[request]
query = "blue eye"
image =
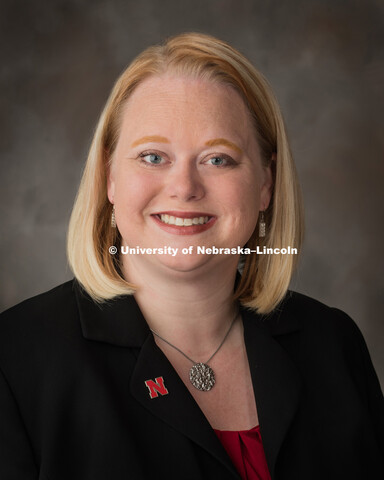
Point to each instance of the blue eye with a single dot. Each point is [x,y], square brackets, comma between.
[217,161]
[151,158]
[220,161]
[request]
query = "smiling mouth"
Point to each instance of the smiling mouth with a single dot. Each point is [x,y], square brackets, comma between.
[183,222]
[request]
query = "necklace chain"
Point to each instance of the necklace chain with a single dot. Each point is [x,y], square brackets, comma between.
[189,358]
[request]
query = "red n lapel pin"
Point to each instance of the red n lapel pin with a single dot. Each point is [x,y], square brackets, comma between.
[156,386]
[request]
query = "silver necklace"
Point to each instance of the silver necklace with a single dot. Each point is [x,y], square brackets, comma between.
[201,374]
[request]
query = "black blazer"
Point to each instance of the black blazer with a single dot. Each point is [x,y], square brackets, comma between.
[75,405]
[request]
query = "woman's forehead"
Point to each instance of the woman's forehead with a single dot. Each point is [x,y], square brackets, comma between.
[176,104]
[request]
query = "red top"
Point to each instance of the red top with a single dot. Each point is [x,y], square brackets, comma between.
[245,449]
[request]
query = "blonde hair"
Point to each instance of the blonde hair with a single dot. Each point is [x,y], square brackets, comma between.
[265,278]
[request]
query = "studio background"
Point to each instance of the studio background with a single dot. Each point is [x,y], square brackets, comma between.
[325,61]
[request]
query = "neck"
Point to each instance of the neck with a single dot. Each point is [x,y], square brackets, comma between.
[191,309]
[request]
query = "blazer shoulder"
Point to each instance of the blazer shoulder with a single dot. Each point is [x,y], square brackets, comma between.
[50,304]
[300,302]
[317,317]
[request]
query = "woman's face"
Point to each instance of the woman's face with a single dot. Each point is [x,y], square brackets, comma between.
[186,172]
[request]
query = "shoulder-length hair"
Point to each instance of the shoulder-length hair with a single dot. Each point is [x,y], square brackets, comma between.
[265,278]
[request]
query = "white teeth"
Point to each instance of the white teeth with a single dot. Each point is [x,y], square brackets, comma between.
[183,222]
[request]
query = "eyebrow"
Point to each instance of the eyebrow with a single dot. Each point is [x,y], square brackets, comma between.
[223,141]
[150,138]
[210,143]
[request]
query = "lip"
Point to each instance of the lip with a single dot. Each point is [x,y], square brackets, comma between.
[182,214]
[182,230]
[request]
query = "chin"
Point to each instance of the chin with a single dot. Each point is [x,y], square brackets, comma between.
[183,264]
[197,264]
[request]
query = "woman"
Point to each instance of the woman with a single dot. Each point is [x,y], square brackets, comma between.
[160,359]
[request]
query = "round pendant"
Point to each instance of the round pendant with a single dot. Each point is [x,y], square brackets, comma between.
[202,377]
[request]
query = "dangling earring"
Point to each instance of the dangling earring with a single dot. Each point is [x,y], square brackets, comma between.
[113,220]
[261,225]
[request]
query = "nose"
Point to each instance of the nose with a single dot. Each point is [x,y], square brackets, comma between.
[184,182]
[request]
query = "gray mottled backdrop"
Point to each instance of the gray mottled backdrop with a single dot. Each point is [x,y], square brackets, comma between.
[325,60]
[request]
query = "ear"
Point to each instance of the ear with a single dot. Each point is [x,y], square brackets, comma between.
[111,183]
[268,183]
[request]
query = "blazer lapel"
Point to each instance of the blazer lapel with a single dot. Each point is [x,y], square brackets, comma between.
[276,381]
[176,407]
[120,322]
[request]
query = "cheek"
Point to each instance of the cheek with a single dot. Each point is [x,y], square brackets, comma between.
[133,190]
[132,196]
[244,197]
[242,205]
